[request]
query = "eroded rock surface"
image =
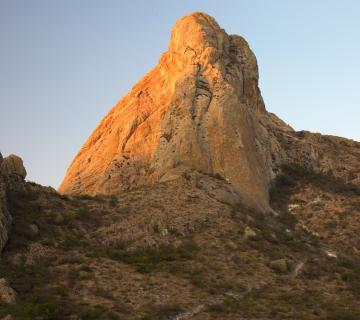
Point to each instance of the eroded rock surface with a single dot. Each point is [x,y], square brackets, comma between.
[7,294]
[12,175]
[199,109]
[195,111]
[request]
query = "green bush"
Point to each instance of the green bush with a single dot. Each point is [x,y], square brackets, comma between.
[70,243]
[151,259]
[344,315]
[293,176]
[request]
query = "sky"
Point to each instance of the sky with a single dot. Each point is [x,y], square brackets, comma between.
[64,64]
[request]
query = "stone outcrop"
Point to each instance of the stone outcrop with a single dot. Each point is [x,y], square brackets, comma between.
[12,175]
[13,165]
[7,294]
[5,218]
[199,109]
[195,111]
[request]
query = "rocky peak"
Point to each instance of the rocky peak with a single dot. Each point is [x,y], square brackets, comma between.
[193,111]
[198,43]
[13,165]
[197,39]
[194,131]
[200,109]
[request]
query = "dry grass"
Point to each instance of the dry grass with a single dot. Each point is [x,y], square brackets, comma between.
[129,260]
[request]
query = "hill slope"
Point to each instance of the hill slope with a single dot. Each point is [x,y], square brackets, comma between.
[180,250]
[189,201]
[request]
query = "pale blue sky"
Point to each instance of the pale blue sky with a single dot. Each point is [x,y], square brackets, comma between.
[63,64]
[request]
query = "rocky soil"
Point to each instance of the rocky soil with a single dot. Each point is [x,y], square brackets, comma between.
[184,249]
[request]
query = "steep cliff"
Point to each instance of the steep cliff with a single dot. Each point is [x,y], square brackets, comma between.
[196,110]
[199,109]
[12,175]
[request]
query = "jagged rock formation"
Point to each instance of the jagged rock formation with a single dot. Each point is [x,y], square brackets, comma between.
[199,109]
[195,110]
[12,175]
[13,165]
[187,248]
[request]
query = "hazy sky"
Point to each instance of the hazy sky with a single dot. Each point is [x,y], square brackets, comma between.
[63,64]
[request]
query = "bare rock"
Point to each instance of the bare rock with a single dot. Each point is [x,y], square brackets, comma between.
[280,265]
[5,217]
[12,175]
[201,109]
[197,108]
[32,231]
[7,294]
[298,269]
[13,165]
[249,233]
[59,218]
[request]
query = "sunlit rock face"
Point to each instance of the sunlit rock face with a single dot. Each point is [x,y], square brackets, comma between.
[199,109]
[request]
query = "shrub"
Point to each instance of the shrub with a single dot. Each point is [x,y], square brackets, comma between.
[344,315]
[97,312]
[34,309]
[151,259]
[292,175]
[162,312]
[70,243]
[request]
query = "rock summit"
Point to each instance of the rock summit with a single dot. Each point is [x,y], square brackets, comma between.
[200,109]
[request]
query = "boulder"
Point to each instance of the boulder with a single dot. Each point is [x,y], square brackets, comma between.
[13,165]
[249,233]
[7,294]
[279,265]
[12,175]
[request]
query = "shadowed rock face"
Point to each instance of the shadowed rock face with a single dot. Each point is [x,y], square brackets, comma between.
[199,109]
[12,175]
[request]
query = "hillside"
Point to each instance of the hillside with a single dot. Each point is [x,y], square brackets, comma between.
[179,251]
[190,200]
